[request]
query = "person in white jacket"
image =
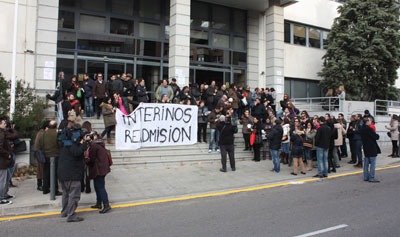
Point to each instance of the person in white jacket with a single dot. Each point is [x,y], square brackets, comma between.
[393,127]
[338,142]
[285,141]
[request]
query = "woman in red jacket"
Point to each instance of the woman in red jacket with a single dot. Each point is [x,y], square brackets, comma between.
[99,167]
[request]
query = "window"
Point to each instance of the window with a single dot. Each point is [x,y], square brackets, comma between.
[150,9]
[239,77]
[149,48]
[94,5]
[66,40]
[239,59]
[124,7]
[220,40]
[67,3]
[199,15]
[314,89]
[121,27]
[287,32]
[314,38]
[239,43]
[299,34]
[221,18]
[147,30]
[95,24]
[325,38]
[219,56]
[66,20]
[239,21]
[198,37]
[300,89]
[108,44]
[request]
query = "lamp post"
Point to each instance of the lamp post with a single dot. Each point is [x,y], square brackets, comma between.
[14,61]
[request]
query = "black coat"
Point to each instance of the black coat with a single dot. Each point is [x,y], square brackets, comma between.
[141,94]
[369,138]
[88,88]
[259,111]
[226,132]
[323,137]
[275,137]
[71,163]
[128,88]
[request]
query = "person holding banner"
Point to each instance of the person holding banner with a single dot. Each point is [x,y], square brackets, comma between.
[202,122]
[226,140]
[109,119]
[122,103]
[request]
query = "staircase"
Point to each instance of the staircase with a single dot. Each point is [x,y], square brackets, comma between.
[169,154]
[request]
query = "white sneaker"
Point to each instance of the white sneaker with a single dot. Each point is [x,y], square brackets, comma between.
[5,202]
[218,151]
[209,151]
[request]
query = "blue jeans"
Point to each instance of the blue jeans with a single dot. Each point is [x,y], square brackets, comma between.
[285,147]
[11,170]
[89,107]
[322,157]
[279,113]
[99,187]
[214,136]
[275,160]
[369,168]
[358,150]
[308,154]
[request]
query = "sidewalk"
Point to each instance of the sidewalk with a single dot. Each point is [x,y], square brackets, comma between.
[132,184]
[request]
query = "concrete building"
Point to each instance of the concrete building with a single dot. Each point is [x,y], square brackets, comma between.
[261,43]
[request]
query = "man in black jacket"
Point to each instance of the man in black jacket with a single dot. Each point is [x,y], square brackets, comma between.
[371,150]
[275,141]
[322,142]
[226,140]
[141,92]
[70,172]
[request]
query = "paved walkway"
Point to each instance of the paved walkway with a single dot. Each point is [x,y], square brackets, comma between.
[131,184]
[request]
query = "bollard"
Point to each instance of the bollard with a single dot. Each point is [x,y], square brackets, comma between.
[53,178]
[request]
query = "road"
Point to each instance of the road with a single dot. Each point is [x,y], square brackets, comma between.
[354,207]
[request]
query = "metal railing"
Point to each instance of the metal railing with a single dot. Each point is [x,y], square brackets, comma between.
[386,107]
[318,103]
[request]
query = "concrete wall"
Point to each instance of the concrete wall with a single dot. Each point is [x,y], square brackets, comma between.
[27,15]
[253,27]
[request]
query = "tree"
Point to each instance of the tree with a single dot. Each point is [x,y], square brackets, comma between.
[29,108]
[363,50]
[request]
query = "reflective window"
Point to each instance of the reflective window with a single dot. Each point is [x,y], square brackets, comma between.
[220,40]
[239,77]
[105,44]
[199,37]
[199,54]
[149,48]
[325,38]
[66,20]
[66,66]
[219,56]
[166,50]
[149,9]
[147,30]
[314,89]
[221,18]
[199,15]
[167,30]
[121,27]
[287,32]
[95,24]
[299,34]
[314,38]
[94,5]
[239,59]
[239,21]
[300,89]
[239,43]
[124,7]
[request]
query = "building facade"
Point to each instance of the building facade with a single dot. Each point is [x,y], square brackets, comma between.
[275,43]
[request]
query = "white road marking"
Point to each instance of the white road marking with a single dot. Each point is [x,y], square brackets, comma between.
[323,231]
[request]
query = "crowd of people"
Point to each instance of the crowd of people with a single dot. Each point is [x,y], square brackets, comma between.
[286,135]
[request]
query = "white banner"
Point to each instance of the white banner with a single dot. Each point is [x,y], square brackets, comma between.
[156,125]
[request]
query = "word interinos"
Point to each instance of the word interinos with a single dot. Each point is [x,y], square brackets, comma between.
[156,125]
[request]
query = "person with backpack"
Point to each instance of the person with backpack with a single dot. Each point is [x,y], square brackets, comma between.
[99,166]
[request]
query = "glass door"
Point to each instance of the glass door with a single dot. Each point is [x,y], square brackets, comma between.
[95,67]
[115,69]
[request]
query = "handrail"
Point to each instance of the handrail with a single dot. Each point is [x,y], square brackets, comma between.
[326,103]
[384,107]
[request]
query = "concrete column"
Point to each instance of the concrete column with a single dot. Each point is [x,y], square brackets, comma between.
[275,49]
[179,41]
[46,44]
[253,49]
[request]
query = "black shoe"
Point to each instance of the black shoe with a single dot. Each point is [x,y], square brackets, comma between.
[332,170]
[325,176]
[78,219]
[222,170]
[293,173]
[9,196]
[391,155]
[303,172]
[317,176]
[374,181]
[58,193]
[351,162]
[106,208]
[97,206]
[233,169]
[46,192]
[12,185]
[39,188]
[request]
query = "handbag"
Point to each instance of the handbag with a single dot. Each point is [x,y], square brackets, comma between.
[308,144]
[252,138]
[79,93]
[244,101]
[258,139]
[19,146]
[389,134]
[284,138]
[39,154]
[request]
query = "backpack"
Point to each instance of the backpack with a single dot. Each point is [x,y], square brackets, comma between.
[110,162]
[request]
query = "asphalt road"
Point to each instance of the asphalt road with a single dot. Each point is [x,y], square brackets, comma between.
[361,208]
